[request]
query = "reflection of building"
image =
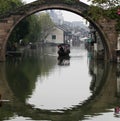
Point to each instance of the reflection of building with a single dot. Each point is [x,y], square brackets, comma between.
[97,71]
[118,79]
[58,35]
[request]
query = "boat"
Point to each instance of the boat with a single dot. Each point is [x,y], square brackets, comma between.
[63,50]
[14,53]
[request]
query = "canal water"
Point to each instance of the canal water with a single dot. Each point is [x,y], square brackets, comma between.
[40,86]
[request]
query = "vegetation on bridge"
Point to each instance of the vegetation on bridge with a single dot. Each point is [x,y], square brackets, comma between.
[107,9]
[7,5]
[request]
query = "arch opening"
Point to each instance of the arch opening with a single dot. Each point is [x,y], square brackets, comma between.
[78,13]
[81,9]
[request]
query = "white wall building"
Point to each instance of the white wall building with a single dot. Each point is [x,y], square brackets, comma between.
[56,36]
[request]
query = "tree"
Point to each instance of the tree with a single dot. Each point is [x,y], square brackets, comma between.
[46,25]
[20,31]
[106,9]
[34,29]
[105,3]
[7,5]
[40,25]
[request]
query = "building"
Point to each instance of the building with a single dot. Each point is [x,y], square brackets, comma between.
[58,35]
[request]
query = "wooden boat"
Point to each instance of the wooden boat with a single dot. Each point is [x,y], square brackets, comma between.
[63,49]
[14,53]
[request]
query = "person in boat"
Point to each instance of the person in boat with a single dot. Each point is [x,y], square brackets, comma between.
[67,49]
[64,50]
[61,49]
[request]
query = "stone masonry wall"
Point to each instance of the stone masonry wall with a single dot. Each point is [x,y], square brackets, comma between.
[108,27]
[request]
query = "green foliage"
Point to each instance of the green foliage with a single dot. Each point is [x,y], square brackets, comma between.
[105,3]
[7,5]
[46,25]
[95,12]
[39,27]
[112,13]
[34,29]
[20,31]
[118,26]
[106,9]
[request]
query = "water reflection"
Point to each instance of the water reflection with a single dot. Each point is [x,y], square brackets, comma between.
[118,79]
[117,109]
[64,61]
[62,89]
[89,90]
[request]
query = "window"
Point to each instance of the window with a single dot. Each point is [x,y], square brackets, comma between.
[53,36]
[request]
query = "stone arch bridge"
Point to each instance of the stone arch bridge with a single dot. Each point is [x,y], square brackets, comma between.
[106,28]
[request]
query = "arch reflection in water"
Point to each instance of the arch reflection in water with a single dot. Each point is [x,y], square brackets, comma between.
[118,79]
[14,76]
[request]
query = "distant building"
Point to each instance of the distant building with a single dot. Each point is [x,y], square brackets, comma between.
[58,35]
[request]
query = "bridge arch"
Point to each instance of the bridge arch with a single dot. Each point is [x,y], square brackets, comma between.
[9,21]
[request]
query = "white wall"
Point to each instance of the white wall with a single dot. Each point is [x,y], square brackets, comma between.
[59,36]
